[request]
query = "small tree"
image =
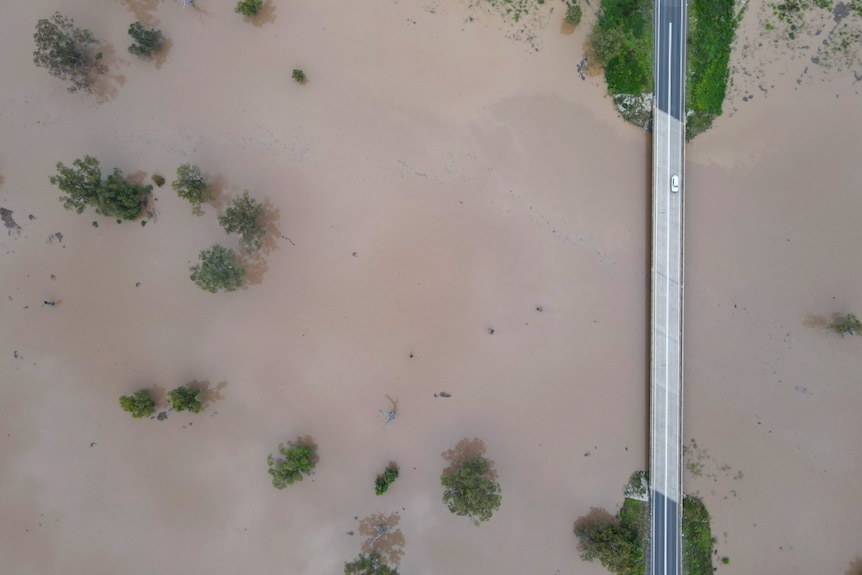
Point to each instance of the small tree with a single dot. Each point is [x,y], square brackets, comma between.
[242,218]
[81,182]
[387,478]
[573,15]
[219,270]
[114,197]
[119,198]
[297,458]
[139,404]
[190,185]
[299,76]
[248,7]
[146,42]
[470,488]
[184,399]
[616,547]
[370,564]
[62,49]
[847,324]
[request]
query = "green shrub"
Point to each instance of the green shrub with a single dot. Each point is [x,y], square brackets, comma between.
[158,180]
[248,7]
[242,217]
[146,42]
[847,324]
[185,399]
[387,478]
[470,489]
[190,185]
[298,458]
[219,269]
[299,76]
[139,404]
[573,15]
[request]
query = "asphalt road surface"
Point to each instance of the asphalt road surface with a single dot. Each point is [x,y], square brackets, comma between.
[667,289]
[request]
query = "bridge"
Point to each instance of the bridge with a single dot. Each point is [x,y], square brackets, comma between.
[668,178]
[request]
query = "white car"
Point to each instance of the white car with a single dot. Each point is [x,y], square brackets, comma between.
[674,183]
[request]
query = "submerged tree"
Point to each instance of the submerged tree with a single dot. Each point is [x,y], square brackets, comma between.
[186,399]
[219,270]
[190,185]
[83,184]
[616,547]
[298,458]
[243,218]
[847,324]
[573,14]
[370,564]
[470,486]
[62,49]
[146,41]
[248,7]
[139,404]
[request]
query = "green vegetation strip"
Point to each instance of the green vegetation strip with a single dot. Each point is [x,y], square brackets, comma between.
[711,28]
[697,538]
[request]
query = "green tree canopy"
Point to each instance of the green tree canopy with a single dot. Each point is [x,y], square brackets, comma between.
[248,7]
[616,547]
[186,399]
[573,14]
[83,185]
[297,458]
[190,185]
[146,41]
[243,218]
[470,490]
[370,564]
[139,404]
[61,48]
[847,324]
[219,270]
[387,478]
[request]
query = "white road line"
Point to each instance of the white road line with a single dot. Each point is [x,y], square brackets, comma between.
[667,284]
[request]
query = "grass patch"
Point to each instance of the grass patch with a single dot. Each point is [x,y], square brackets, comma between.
[711,28]
[697,540]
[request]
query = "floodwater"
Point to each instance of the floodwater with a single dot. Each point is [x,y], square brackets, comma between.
[436,179]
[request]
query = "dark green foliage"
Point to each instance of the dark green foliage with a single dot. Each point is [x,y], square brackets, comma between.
[370,564]
[190,185]
[117,197]
[61,48]
[242,217]
[219,270]
[625,76]
[248,7]
[139,404]
[708,57]
[622,43]
[847,324]
[158,180]
[470,489]
[616,547]
[84,187]
[81,182]
[856,6]
[697,538]
[725,560]
[299,76]
[382,483]
[297,458]
[573,15]
[146,42]
[185,399]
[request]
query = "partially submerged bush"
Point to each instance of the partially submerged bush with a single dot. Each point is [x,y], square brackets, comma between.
[139,404]
[298,458]
[186,399]
[387,478]
[248,7]
[146,42]
[62,49]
